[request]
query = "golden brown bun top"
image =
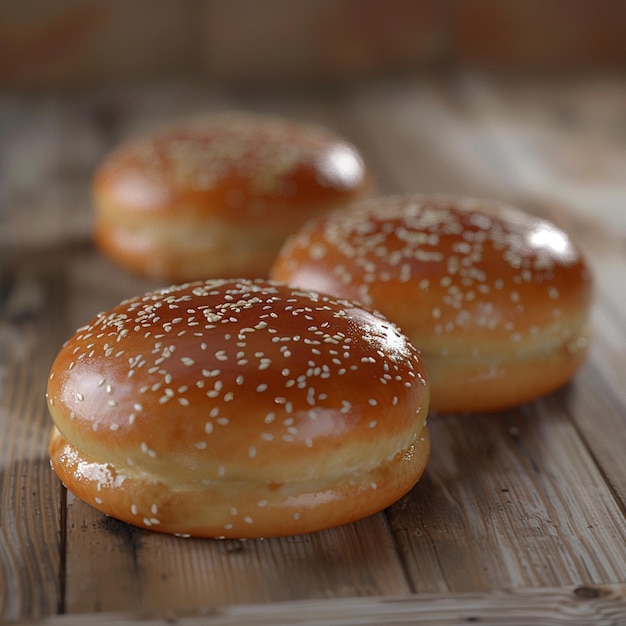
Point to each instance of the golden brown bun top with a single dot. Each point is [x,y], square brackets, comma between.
[242,380]
[456,274]
[233,165]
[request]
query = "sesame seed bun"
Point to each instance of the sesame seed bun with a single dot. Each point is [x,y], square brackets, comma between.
[238,409]
[497,301]
[216,196]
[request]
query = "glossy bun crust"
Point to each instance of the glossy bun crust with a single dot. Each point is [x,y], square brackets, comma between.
[217,196]
[497,301]
[238,409]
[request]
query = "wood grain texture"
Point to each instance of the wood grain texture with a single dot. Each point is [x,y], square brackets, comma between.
[513,500]
[520,517]
[112,566]
[30,549]
[603,605]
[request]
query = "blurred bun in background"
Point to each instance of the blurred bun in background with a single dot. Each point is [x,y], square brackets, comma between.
[216,196]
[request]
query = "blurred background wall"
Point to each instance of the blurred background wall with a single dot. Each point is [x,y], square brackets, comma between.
[78,43]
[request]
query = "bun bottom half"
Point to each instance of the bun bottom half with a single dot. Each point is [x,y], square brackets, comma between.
[469,384]
[182,249]
[237,509]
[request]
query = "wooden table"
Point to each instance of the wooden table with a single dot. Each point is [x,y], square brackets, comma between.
[520,517]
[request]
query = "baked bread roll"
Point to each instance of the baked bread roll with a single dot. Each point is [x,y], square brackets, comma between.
[497,301]
[216,196]
[238,409]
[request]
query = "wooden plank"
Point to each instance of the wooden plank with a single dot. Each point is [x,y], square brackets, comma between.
[30,560]
[420,141]
[115,567]
[510,500]
[603,605]
[596,404]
